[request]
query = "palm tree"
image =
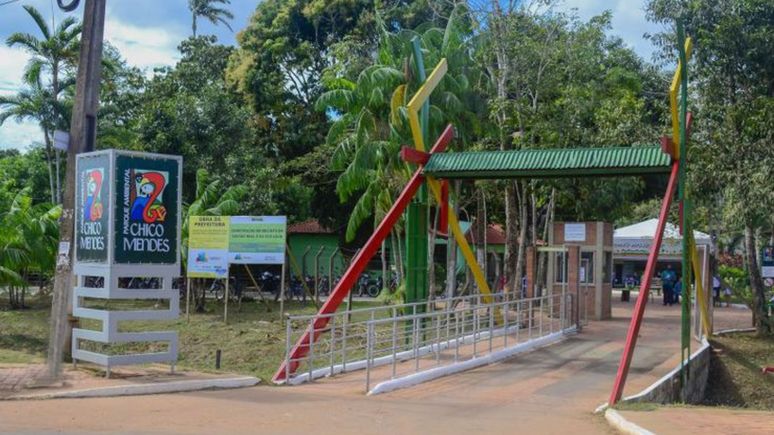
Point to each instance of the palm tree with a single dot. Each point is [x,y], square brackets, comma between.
[28,241]
[37,103]
[211,200]
[52,54]
[373,124]
[208,9]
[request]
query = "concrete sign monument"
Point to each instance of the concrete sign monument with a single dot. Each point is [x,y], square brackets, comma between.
[127,225]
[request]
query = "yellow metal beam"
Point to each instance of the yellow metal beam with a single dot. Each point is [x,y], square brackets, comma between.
[459,236]
[416,131]
[419,99]
[673,89]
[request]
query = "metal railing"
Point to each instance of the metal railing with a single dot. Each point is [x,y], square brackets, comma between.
[416,343]
[342,345]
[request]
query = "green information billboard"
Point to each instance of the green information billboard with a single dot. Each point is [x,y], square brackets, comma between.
[147,213]
[92,202]
[257,240]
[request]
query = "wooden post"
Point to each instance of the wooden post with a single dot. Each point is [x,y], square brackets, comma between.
[282,293]
[83,131]
[260,288]
[225,299]
[317,276]
[187,299]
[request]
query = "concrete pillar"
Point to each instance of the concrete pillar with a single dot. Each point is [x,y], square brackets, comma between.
[531,271]
[573,280]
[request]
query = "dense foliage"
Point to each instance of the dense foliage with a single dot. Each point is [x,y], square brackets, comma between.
[305,116]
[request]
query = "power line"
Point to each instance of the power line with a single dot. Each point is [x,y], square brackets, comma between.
[8,2]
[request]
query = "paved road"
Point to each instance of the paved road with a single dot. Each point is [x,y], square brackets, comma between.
[549,391]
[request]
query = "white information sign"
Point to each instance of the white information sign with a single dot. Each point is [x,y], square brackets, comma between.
[574,232]
[257,240]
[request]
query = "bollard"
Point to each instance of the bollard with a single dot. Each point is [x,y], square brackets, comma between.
[217,359]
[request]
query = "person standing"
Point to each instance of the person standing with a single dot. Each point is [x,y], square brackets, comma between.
[668,279]
[727,296]
[677,292]
[716,291]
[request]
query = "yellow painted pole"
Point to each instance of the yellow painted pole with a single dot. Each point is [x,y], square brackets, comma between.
[459,236]
[673,98]
[419,99]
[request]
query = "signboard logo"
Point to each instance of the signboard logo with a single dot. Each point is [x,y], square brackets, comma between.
[146,197]
[147,210]
[92,209]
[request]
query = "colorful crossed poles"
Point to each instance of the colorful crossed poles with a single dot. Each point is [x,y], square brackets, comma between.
[419,156]
[677,148]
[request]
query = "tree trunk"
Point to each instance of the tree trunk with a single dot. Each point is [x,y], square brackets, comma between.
[763,323]
[430,254]
[481,232]
[511,236]
[400,269]
[543,256]
[58,180]
[385,279]
[522,242]
[50,161]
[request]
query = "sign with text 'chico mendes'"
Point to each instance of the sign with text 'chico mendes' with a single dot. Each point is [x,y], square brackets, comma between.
[128,208]
[92,199]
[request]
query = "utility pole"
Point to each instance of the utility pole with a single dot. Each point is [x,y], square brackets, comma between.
[83,134]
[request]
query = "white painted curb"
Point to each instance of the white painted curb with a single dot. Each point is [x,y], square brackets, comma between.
[734,331]
[622,425]
[429,375]
[145,389]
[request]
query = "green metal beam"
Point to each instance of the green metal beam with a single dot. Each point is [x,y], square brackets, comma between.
[548,163]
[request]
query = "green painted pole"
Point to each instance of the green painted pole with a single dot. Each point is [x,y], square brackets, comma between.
[686,215]
[417,215]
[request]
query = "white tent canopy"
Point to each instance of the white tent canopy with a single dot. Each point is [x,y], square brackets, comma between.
[637,239]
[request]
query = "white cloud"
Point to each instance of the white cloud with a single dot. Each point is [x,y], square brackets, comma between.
[144,47]
[629,20]
[13,134]
[20,136]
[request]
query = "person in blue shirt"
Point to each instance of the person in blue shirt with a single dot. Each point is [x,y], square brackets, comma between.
[677,292]
[668,279]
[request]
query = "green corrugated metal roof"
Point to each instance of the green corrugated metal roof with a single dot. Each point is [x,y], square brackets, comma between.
[567,162]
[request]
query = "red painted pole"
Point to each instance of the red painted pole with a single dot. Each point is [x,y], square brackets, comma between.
[642,300]
[359,264]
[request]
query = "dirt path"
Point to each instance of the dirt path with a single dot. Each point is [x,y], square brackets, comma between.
[547,391]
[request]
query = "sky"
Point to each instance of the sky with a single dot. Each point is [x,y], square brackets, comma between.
[147,33]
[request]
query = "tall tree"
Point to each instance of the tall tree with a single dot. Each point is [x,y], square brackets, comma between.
[37,103]
[371,123]
[211,10]
[51,55]
[732,145]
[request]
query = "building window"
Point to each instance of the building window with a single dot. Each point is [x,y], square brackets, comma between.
[587,268]
[561,267]
[608,269]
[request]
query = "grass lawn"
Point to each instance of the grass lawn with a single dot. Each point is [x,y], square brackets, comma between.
[735,372]
[252,343]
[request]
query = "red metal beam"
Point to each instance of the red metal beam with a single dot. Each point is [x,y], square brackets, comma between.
[642,299]
[359,264]
[411,155]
